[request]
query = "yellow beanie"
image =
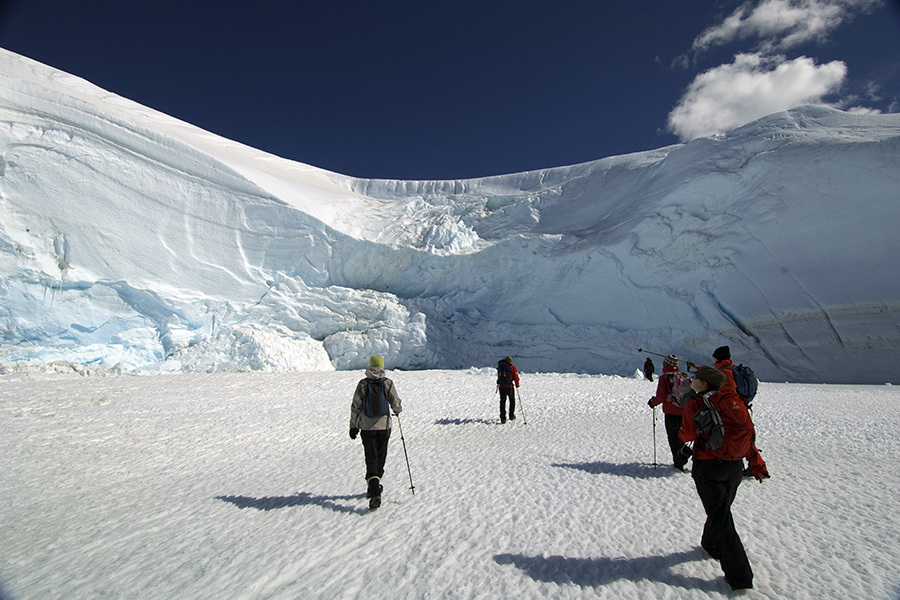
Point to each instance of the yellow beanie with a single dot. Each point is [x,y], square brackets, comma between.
[376,361]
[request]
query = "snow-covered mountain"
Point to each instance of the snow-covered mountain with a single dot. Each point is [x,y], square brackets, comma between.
[130,238]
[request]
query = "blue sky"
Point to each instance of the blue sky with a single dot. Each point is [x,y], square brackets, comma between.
[452,89]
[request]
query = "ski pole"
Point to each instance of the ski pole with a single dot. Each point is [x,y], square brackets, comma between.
[653,353]
[399,426]
[654,437]
[663,355]
[521,407]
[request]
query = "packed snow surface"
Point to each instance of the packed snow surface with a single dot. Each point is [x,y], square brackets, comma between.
[134,241]
[246,486]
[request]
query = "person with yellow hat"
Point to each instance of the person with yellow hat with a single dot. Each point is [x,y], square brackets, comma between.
[370,418]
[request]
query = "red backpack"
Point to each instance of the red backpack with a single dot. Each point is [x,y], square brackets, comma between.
[725,418]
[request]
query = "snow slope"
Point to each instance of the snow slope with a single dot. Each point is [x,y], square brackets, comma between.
[246,486]
[133,241]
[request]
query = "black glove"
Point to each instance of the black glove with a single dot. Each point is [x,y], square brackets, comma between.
[682,456]
[353,432]
[650,402]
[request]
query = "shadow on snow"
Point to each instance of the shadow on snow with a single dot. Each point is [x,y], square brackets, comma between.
[298,499]
[638,470]
[464,421]
[591,572]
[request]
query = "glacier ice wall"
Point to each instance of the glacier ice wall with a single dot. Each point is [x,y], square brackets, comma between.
[129,238]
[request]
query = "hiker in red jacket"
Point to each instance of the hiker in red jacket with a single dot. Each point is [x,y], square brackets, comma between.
[717,468]
[722,356]
[672,407]
[507,377]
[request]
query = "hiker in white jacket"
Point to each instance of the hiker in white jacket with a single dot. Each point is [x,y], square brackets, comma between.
[370,417]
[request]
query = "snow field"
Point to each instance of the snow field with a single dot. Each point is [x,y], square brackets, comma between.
[247,486]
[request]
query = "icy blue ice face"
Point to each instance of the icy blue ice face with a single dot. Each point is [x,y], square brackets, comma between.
[127,237]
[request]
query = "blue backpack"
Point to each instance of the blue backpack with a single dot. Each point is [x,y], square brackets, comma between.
[375,402]
[746,382]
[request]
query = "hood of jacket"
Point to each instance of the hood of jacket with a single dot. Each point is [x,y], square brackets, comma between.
[374,372]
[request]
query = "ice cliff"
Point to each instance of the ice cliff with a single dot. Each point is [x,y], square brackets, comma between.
[129,238]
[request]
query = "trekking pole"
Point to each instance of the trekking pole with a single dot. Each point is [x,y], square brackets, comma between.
[654,437]
[399,426]
[521,407]
[663,355]
[649,352]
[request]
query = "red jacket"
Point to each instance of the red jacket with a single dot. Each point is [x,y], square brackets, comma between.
[513,377]
[689,431]
[663,389]
[729,385]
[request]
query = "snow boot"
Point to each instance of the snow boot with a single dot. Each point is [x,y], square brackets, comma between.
[374,488]
[374,493]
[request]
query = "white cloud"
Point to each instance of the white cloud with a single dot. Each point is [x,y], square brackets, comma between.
[751,87]
[781,24]
[863,110]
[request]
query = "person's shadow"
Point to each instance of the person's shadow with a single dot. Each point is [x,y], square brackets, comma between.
[299,499]
[636,470]
[593,572]
[464,422]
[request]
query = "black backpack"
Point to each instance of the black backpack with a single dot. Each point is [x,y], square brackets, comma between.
[375,402]
[504,373]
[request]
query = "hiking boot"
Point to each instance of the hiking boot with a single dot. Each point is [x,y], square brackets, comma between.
[374,502]
[735,587]
[502,420]
[512,417]
[374,489]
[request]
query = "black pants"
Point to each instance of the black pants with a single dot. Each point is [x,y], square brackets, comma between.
[375,444]
[717,482]
[673,426]
[504,394]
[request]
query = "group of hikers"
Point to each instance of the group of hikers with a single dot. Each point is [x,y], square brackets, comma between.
[707,420]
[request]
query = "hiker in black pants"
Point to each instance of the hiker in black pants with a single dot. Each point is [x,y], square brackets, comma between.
[648,369]
[717,468]
[507,378]
[374,424]
[670,387]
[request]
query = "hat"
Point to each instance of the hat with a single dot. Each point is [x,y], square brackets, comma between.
[376,361]
[722,353]
[670,361]
[714,377]
[509,358]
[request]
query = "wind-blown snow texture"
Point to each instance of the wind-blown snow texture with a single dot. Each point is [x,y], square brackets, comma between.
[246,486]
[131,240]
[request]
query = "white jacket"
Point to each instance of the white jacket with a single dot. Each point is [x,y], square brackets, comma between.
[358,418]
